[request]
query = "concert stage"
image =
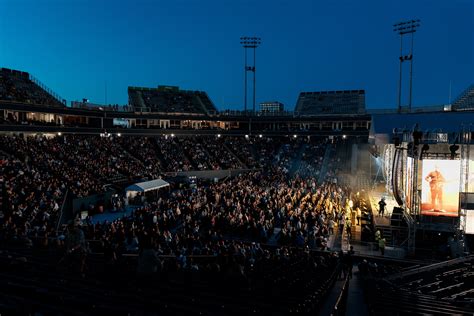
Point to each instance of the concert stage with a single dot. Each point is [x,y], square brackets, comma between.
[375,196]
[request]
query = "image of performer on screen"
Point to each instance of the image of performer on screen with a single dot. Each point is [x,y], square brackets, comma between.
[436,181]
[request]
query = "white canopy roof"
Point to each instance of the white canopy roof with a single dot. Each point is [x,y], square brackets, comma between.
[147,185]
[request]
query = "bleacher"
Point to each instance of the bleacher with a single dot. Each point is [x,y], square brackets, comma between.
[209,106]
[171,100]
[331,102]
[465,101]
[18,86]
[29,284]
[440,289]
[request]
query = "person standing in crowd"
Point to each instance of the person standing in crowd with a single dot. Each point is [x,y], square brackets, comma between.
[331,226]
[349,229]
[342,260]
[382,205]
[358,215]
[378,236]
[350,261]
[76,247]
[382,246]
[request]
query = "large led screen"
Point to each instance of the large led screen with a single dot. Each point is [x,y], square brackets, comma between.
[470,222]
[471,176]
[440,187]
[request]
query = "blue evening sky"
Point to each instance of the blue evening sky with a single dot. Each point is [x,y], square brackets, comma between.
[77,47]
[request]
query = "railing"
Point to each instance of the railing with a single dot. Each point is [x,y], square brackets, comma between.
[62,210]
[341,303]
[430,267]
[463,94]
[418,109]
[48,90]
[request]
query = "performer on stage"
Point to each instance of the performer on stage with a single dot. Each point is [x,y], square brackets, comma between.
[436,181]
[382,205]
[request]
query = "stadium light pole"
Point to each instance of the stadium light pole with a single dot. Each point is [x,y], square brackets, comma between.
[250,42]
[403,28]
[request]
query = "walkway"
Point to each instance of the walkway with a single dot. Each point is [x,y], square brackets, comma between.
[109,216]
[355,299]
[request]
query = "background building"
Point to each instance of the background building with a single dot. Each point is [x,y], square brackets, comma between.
[271,107]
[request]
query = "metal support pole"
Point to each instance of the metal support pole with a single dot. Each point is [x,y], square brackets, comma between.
[411,70]
[245,84]
[250,42]
[404,28]
[400,77]
[254,77]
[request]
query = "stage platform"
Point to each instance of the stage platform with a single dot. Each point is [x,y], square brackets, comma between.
[375,196]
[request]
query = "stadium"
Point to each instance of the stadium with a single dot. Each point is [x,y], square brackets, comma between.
[169,204]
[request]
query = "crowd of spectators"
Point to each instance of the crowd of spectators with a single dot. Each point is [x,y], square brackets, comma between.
[17,86]
[312,159]
[41,169]
[199,157]
[171,154]
[247,225]
[223,158]
[142,148]
[248,207]
[242,148]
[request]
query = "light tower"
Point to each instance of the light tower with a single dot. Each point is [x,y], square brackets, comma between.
[404,28]
[250,42]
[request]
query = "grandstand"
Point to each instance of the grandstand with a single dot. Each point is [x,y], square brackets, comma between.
[465,101]
[170,99]
[440,289]
[19,86]
[331,102]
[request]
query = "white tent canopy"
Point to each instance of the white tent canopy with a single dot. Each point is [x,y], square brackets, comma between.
[146,186]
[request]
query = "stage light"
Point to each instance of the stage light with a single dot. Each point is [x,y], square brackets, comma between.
[294,136]
[246,136]
[453,148]
[252,43]
[404,28]
[424,149]
[344,136]
[118,134]
[218,135]
[59,134]
[172,135]
[417,136]
[396,141]
[260,135]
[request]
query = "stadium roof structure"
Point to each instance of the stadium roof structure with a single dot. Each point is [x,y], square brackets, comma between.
[384,125]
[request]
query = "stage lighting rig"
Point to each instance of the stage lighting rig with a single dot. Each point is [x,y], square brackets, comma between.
[404,28]
[424,149]
[396,141]
[253,43]
[453,148]
[417,136]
